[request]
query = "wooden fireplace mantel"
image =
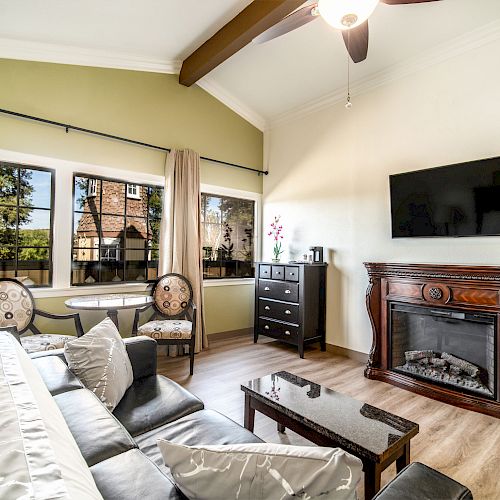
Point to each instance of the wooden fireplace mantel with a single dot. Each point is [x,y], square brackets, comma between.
[465,288]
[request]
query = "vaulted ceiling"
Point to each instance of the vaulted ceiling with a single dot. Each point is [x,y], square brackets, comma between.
[263,82]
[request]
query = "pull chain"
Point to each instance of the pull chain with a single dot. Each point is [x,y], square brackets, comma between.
[348,103]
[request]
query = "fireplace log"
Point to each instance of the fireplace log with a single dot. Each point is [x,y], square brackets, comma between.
[416,355]
[438,362]
[467,367]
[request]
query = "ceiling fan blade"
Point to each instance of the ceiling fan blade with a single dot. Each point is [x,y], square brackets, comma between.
[356,42]
[401,2]
[289,23]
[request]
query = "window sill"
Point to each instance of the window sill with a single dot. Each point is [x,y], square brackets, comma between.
[228,282]
[41,293]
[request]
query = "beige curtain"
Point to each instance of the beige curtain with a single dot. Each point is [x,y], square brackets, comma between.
[180,233]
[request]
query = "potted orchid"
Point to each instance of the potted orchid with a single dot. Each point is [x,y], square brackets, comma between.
[275,232]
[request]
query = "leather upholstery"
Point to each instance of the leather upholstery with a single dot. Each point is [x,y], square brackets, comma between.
[419,482]
[132,476]
[154,401]
[56,375]
[142,354]
[201,427]
[96,431]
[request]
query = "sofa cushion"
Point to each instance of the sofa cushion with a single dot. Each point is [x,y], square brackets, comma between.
[261,471]
[56,375]
[99,359]
[98,433]
[201,427]
[152,402]
[419,482]
[39,457]
[132,476]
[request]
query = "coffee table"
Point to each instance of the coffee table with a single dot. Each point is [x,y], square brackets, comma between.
[329,418]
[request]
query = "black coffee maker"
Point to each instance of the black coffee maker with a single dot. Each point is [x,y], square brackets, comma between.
[317,254]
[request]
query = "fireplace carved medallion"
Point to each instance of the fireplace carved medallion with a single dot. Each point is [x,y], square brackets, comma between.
[436,331]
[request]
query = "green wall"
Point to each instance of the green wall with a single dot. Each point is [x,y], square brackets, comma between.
[148,107]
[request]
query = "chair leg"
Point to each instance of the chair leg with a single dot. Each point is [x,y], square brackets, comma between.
[191,356]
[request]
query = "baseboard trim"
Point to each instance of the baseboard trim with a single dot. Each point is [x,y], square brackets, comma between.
[361,357]
[230,334]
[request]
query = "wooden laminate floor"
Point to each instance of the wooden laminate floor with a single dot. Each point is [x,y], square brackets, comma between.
[462,444]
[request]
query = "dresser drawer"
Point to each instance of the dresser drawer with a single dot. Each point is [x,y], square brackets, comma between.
[278,272]
[279,310]
[279,290]
[264,271]
[291,273]
[278,330]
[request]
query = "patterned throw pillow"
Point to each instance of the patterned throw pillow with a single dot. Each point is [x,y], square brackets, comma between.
[100,360]
[262,471]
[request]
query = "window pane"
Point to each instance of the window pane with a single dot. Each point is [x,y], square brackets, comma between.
[113,198]
[136,270]
[8,185]
[33,266]
[85,267]
[35,188]
[137,232]
[227,236]
[137,200]
[84,200]
[34,227]
[111,270]
[7,226]
[155,202]
[112,230]
[7,262]
[154,235]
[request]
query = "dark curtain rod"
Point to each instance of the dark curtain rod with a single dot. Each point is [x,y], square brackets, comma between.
[69,127]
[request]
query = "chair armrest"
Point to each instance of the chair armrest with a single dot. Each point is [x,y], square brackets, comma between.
[142,353]
[191,312]
[74,316]
[137,314]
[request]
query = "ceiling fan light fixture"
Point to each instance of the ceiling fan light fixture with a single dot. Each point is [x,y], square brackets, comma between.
[346,14]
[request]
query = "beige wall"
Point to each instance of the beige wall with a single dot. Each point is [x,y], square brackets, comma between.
[147,107]
[329,176]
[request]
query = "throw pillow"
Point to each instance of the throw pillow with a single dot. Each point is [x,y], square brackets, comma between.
[262,471]
[100,360]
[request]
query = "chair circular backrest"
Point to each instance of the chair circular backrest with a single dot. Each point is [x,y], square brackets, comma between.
[172,293]
[17,306]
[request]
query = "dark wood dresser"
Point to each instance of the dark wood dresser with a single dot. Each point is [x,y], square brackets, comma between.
[290,303]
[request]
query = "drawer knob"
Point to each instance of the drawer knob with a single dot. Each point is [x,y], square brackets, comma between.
[292,274]
[267,308]
[287,332]
[266,327]
[266,289]
[288,291]
[287,311]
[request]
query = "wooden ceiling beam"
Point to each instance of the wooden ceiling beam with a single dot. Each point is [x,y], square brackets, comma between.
[256,18]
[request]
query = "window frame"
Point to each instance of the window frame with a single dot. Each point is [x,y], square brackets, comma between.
[133,196]
[119,249]
[245,195]
[31,166]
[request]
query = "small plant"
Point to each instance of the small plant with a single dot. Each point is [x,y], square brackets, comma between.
[228,247]
[275,232]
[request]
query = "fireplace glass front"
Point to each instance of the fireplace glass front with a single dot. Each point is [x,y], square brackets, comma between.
[444,346]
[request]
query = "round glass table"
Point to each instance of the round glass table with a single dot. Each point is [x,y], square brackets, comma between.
[110,302]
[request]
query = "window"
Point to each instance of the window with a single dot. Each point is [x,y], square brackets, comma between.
[133,191]
[26,200]
[228,229]
[92,187]
[116,231]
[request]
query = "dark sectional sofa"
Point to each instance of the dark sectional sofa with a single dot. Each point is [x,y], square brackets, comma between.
[121,450]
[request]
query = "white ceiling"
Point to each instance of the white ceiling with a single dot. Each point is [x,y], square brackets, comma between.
[262,81]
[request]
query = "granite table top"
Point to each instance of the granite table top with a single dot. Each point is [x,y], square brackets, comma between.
[358,427]
[110,301]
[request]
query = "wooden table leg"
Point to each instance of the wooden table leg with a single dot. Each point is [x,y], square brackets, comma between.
[372,472]
[404,459]
[249,417]
[113,315]
[281,428]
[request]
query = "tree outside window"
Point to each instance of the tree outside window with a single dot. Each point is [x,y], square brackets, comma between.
[227,236]
[26,223]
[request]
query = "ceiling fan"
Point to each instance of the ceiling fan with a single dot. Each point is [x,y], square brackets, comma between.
[350,16]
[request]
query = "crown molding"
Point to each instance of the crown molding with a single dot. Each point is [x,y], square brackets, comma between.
[455,47]
[220,93]
[66,54]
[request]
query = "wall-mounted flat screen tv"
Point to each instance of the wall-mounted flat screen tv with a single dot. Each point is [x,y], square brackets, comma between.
[456,200]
